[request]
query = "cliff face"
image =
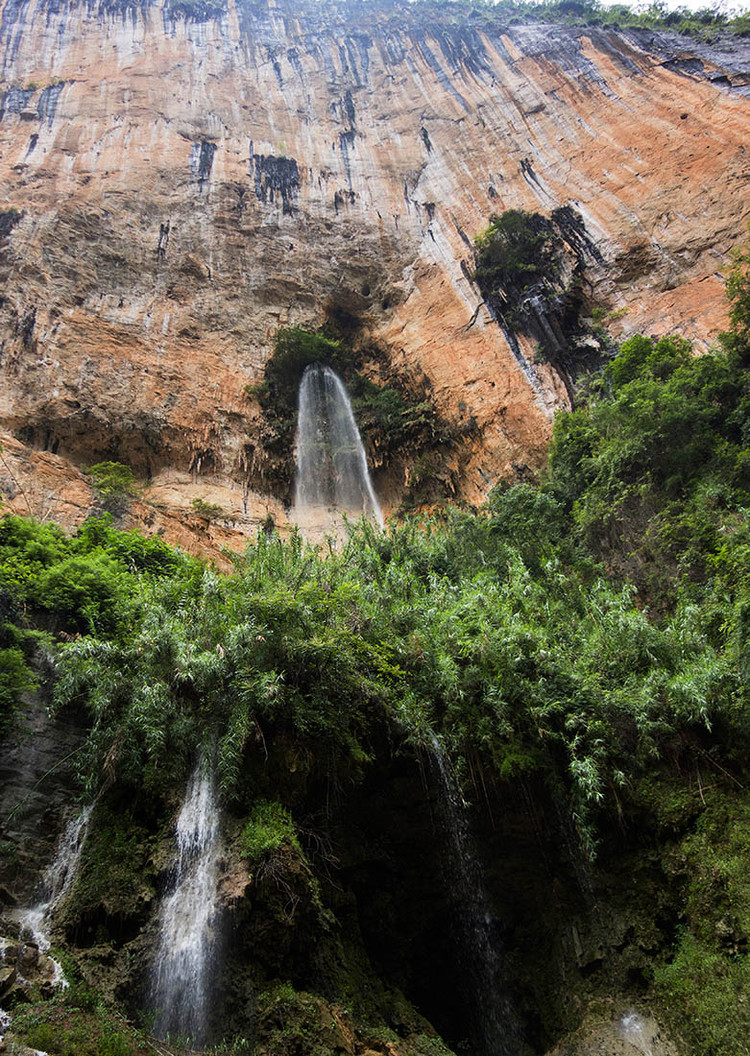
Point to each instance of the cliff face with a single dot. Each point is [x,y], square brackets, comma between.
[179,180]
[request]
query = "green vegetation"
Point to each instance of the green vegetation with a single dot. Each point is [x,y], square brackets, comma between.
[76,1023]
[114,873]
[518,250]
[531,269]
[710,971]
[655,467]
[49,582]
[294,1021]
[112,480]
[706,24]
[210,511]
[16,678]
[269,827]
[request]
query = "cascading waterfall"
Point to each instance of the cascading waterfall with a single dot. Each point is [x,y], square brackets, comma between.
[492,1030]
[58,880]
[181,988]
[332,472]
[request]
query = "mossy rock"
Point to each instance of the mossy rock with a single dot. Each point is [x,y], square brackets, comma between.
[297,1023]
[114,890]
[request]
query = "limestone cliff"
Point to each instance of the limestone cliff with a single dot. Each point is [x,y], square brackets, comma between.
[181,179]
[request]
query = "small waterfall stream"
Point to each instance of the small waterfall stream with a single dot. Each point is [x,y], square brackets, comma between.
[492,1029]
[4,1024]
[181,983]
[332,474]
[58,879]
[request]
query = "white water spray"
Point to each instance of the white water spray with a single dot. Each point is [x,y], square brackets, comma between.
[638,1031]
[332,475]
[182,972]
[36,921]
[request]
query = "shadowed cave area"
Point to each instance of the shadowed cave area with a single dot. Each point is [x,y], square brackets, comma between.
[383,859]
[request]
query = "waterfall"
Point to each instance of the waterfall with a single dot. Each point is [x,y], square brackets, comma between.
[492,1028]
[639,1032]
[181,980]
[331,465]
[58,880]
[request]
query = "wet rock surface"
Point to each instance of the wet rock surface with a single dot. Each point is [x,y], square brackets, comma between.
[37,761]
[25,972]
[609,1030]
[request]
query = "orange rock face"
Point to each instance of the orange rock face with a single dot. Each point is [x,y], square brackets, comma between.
[178,181]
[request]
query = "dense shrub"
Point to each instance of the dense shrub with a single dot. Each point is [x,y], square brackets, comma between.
[516,251]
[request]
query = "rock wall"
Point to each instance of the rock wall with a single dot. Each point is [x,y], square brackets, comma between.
[178,180]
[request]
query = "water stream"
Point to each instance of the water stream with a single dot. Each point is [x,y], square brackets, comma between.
[36,921]
[4,1023]
[492,1027]
[332,476]
[183,970]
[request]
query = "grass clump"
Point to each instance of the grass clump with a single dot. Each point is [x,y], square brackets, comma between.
[268,829]
[76,1024]
[209,511]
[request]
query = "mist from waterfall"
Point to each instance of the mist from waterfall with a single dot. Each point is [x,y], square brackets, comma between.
[332,475]
[183,970]
[493,1030]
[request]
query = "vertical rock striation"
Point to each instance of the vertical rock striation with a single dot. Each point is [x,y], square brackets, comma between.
[180,179]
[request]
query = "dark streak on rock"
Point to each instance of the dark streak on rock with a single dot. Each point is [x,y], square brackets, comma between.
[527,171]
[25,329]
[161,249]
[346,142]
[275,178]
[276,66]
[14,101]
[464,49]
[11,27]
[48,100]
[8,220]
[343,198]
[572,229]
[351,113]
[201,161]
[420,40]
[294,61]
